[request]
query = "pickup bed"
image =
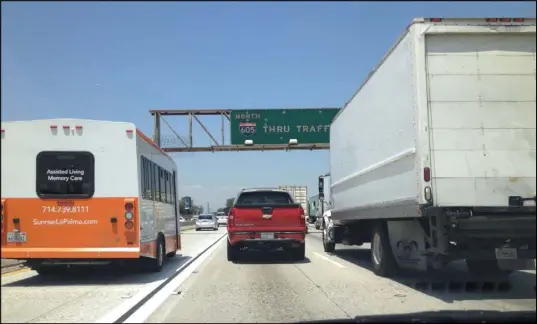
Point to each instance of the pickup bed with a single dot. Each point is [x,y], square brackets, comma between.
[266,219]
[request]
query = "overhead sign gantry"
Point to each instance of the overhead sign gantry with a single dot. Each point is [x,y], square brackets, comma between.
[254,129]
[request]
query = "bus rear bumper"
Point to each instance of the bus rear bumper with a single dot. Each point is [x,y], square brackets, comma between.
[71,253]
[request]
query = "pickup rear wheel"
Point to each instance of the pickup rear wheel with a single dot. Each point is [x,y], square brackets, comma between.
[231,252]
[384,263]
[299,253]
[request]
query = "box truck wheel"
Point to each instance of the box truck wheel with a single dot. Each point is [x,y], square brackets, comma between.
[384,263]
[328,246]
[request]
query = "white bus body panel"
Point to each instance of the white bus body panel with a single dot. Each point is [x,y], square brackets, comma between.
[114,151]
[156,217]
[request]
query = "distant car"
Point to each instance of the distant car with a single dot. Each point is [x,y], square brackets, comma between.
[266,219]
[222,218]
[206,221]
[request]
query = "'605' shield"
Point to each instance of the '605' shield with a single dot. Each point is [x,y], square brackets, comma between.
[247,129]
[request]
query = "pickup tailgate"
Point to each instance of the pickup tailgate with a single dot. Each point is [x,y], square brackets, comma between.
[267,209]
[482,111]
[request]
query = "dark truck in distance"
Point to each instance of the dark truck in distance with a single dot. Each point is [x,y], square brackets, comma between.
[266,219]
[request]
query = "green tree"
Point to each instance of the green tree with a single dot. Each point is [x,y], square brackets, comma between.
[229,202]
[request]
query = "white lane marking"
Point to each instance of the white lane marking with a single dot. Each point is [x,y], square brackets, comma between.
[123,308]
[143,313]
[328,259]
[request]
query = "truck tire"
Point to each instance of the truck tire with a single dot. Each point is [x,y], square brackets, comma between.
[155,265]
[384,263]
[329,247]
[299,253]
[489,268]
[231,252]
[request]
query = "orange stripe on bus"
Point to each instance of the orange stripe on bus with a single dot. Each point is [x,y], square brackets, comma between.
[90,227]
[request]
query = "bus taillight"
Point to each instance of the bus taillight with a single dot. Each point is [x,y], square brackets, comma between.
[129,225]
[129,213]
[129,206]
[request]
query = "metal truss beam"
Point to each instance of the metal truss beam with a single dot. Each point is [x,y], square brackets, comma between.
[194,115]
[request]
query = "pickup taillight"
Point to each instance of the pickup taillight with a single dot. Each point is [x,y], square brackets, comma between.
[231,217]
[302,216]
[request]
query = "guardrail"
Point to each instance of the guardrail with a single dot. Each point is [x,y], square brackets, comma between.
[8,264]
[188,223]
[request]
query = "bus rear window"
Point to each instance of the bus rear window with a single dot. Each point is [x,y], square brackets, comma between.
[65,174]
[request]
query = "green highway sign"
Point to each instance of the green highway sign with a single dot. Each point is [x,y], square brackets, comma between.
[278,126]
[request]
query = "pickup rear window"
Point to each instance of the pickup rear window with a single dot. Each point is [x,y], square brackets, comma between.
[264,197]
[65,174]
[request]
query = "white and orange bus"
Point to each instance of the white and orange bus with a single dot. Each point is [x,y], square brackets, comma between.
[78,192]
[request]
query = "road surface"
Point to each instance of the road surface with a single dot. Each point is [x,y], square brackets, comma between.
[260,288]
[85,297]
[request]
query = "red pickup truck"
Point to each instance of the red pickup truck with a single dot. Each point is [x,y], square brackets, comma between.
[266,219]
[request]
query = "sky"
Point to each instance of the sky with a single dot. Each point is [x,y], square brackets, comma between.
[117,60]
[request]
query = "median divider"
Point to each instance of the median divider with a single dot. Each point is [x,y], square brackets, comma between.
[9,265]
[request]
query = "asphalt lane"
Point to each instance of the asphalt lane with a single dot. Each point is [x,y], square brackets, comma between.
[265,287]
[82,297]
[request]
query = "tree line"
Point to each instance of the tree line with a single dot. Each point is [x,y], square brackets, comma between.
[198,209]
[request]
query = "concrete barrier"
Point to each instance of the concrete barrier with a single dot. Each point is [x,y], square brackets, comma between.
[15,264]
[188,223]
[10,263]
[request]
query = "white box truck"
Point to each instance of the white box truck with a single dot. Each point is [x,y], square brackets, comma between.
[433,158]
[300,193]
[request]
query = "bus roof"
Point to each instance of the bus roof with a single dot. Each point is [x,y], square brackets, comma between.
[81,122]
